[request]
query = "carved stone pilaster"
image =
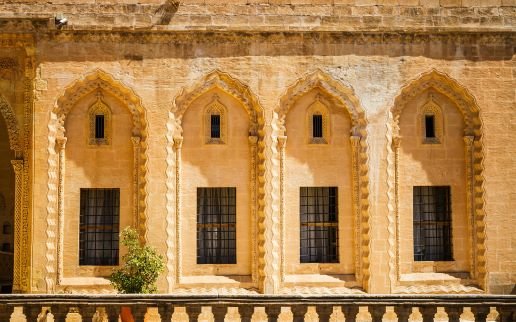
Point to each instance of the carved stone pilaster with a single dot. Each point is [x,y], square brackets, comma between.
[282,143]
[253,145]
[470,199]
[355,179]
[396,141]
[178,143]
[18,224]
[138,222]
[61,146]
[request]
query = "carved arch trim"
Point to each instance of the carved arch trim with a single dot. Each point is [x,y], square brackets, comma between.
[342,97]
[467,105]
[242,93]
[101,81]
[11,124]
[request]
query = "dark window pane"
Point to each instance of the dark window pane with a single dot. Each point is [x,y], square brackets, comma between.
[430,126]
[215,126]
[317,126]
[99,126]
[99,226]
[216,225]
[319,225]
[432,223]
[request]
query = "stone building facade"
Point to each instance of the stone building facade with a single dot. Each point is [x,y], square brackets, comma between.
[166,104]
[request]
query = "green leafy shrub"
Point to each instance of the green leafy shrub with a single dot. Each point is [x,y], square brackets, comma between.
[141,268]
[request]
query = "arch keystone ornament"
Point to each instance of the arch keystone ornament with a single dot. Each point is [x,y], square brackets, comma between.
[343,97]
[242,93]
[98,82]
[467,105]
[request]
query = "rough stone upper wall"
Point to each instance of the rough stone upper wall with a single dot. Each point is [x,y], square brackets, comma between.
[332,15]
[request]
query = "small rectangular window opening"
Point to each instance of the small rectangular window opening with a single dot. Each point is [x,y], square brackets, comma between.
[99,126]
[99,220]
[215,126]
[317,126]
[216,225]
[432,223]
[319,231]
[430,126]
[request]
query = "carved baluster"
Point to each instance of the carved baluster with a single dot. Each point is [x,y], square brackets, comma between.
[165,312]
[87,312]
[246,312]
[17,314]
[403,313]
[389,315]
[180,314]
[363,314]
[138,312]
[377,312]
[299,312]
[493,315]
[350,311]
[454,313]
[33,312]
[286,314]
[5,312]
[324,312]
[192,311]
[113,313]
[506,314]
[416,315]
[273,312]
[232,315]
[428,313]
[480,312]
[337,315]
[311,314]
[59,312]
[219,313]
[259,314]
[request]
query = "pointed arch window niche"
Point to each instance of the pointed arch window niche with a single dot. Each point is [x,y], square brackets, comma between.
[431,122]
[99,122]
[318,121]
[215,123]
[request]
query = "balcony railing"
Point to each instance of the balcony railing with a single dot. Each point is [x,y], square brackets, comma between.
[363,308]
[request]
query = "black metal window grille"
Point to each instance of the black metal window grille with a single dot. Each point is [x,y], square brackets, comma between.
[99,226]
[319,231]
[430,126]
[99,126]
[432,223]
[317,126]
[216,225]
[215,126]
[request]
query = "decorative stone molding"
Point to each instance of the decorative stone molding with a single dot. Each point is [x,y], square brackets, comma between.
[61,146]
[18,223]
[12,125]
[241,92]
[468,106]
[178,143]
[98,80]
[281,144]
[343,97]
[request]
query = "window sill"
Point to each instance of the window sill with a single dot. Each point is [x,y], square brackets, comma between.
[321,280]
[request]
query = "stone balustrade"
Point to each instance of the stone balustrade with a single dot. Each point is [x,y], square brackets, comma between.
[362,308]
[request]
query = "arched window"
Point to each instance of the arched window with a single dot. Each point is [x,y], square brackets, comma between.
[215,122]
[99,118]
[318,122]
